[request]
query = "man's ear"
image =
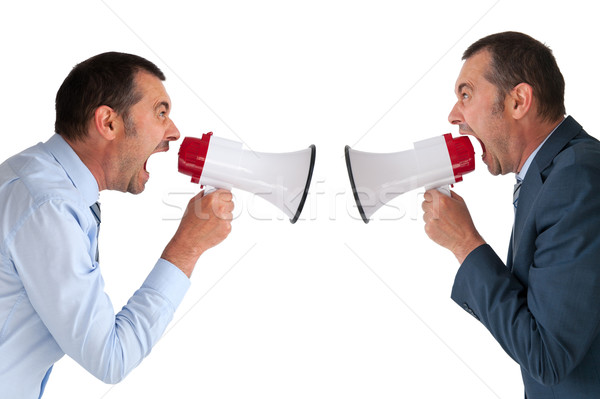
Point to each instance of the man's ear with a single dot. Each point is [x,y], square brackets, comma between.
[521,100]
[107,122]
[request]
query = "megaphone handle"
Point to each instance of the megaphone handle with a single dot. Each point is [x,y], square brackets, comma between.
[209,189]
[444,190]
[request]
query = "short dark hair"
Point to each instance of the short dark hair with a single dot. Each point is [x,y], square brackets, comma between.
[105,79]
[519,58]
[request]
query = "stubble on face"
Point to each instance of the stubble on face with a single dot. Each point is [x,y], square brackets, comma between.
[499,137]
[495,143]
[136,166]
[128,165]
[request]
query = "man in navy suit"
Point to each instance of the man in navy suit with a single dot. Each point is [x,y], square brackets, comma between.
[543,305]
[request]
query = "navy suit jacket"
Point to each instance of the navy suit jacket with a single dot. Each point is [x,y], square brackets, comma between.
[543,306]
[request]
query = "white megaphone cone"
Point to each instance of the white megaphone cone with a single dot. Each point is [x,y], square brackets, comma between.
[282,179]
[433,163]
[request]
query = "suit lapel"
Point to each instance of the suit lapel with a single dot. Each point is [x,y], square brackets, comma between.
[529,190]
[534,179]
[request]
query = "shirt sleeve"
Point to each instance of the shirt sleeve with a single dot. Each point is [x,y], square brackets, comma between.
[51,252]
[548,323]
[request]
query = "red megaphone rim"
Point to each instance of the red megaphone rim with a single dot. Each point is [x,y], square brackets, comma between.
[192,156]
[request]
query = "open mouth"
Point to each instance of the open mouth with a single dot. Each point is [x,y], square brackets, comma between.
[483,151]
[482,146]
[163,148]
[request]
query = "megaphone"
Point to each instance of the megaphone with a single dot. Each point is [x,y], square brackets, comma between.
[282,179]
[433,163]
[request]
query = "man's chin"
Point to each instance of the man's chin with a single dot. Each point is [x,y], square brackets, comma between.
[135,190]
[493,169]
[137,186]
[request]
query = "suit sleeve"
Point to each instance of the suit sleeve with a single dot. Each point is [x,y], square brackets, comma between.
[549,325]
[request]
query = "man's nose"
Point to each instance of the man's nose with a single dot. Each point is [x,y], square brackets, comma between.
[172,133]
[455,117]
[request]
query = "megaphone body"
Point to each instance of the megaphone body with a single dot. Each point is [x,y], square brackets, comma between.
[282,179]
[377,178]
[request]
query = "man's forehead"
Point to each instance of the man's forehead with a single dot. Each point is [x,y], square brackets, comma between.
[152,88]
[473,70]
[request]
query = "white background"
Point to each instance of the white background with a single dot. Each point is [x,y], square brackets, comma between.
[329,307]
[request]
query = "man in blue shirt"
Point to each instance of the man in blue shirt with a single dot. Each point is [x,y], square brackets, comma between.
[112,114]
[542,305]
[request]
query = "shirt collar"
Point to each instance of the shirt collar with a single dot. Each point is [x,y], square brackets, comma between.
[80,175]
[521,175]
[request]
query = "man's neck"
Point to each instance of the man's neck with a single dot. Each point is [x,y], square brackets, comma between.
[534,144]
[90,158]
[538,135]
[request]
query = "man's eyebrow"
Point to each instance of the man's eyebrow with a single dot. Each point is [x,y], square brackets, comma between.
[462,86]
[162,104]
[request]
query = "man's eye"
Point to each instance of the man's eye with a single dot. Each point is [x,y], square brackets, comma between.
[465,96]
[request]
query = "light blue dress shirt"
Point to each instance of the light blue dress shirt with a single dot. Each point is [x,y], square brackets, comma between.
[52,299]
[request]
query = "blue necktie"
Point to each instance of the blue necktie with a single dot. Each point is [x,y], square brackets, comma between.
[516,192]
[96,211]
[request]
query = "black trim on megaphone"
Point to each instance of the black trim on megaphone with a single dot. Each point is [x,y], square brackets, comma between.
[360,208]
[313,154]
